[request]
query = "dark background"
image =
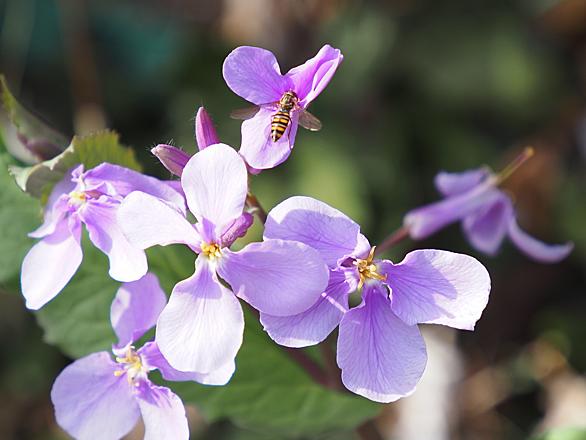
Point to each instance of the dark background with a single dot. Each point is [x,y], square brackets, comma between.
[425,86]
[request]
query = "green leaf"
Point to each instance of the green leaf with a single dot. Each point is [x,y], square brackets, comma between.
[20,214]
[20,129]
[268,392]
[563,434]
[90,150]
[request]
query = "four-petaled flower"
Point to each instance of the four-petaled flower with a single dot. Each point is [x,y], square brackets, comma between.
[380,350]
[254,74]
[98,397]
[202,326]
[91,198]
[486,212]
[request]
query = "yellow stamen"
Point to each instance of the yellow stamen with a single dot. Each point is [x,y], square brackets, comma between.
[527,154]
[212,250]
[132,365]
[367,269]
[77,197]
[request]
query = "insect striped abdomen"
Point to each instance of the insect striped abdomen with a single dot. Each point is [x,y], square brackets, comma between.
[279,124]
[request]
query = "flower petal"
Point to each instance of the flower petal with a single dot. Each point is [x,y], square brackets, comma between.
[136,308]
[451,184]
[535,249]
[253,73]
[438,287]
[277,277]
[91,402]
[202,326]
[313,76]
[163,413]
[486,228]
[426,220]
[333,234]
[258,148]
[215,182]
[127,261]
[124,181]
[314,325]
[51,263]
[147,221]
[381,357]
[153,357]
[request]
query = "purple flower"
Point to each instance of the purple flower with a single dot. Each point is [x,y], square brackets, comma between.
[486,212]
[98,397]
[254,74]
[380,350]
[91,198]
[201,328]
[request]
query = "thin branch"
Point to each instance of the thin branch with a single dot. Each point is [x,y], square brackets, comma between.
[256,207]
[396,237]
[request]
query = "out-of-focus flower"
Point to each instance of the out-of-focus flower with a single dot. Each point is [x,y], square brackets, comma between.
[91,198]
[486,212]
[201,328]
[380,349]
[97,397]
[268,135]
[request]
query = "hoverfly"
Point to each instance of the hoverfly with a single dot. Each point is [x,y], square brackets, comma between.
[282,117]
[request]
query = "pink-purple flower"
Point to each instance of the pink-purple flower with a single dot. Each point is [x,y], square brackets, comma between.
[486,212]
[100,397]
[91,198]
[202,326]
[380,349]
[254,74]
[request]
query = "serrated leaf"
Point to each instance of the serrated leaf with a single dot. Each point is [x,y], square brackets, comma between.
[90,150]
[268,392]
[19,215]
[26,136]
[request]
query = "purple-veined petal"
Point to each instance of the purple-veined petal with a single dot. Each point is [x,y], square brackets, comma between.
[205,133]
[201,327]
[314,325]
[277,277]
[162,412]
[136,308]
[437,287]
[147,221]
[258,148]
[91,402]
[253,74]
[535,249]
[333,234]
[215,184]
[313,76]
[127,261]
[50,264]
[236,229]
[381,357]
[153,358]
[124,181]
[451,184]
[486,228]
[172,158]
[426,220]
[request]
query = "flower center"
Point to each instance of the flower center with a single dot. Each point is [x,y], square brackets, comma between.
[211,250]
[367,269]
[77,198]
[131,365]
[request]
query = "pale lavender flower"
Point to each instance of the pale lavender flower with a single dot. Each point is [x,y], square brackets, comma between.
[380,349]
[100,397]
[486,212]
[91,198]
[254,74]
[202,326]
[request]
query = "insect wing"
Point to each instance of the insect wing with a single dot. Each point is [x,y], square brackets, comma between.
[245,113]
[308,121]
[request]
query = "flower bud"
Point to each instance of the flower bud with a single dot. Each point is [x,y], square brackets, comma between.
[205,133]
[171,157]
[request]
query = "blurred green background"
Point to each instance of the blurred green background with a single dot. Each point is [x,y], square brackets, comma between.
[425,86]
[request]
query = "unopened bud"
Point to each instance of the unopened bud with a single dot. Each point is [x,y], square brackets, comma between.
[171,157]
[205,133]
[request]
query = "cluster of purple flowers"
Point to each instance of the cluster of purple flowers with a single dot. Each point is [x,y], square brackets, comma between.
[299,277]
